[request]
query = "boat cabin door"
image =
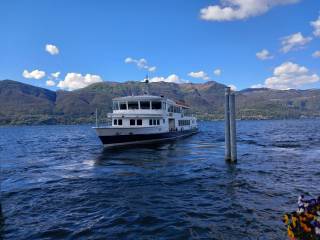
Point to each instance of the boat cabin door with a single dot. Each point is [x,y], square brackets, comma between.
[172,124]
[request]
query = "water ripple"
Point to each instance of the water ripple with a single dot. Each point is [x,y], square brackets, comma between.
[58,183]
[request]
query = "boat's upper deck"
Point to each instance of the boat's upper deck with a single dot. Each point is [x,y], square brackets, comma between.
[146,104]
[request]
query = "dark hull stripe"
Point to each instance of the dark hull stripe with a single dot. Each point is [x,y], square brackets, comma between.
[127,139]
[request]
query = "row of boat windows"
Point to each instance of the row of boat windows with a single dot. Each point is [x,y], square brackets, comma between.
[155,121]
[139,105]
[138,122]
[117,122]
[174,109]
[156,105]
[184,122]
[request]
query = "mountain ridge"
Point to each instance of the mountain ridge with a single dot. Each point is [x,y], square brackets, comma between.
[22,103]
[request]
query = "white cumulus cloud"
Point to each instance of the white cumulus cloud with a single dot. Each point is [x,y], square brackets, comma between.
[52,49]
[200,74]
[173,78]
[264,54]
[152,69]
[316,26]
[229,10]
[289,75]
[141,63]
[217,72]
[294,42]
[50,83]
[35,74]
[316,54]
[55,74]
[74,81]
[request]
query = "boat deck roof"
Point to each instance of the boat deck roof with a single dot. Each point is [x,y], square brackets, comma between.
[149,97]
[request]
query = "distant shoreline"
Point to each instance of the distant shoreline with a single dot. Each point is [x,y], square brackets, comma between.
[104,123]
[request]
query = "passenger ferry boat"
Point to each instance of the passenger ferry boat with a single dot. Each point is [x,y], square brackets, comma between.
[146,119]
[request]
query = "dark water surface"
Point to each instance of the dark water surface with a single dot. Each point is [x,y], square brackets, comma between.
[59,183]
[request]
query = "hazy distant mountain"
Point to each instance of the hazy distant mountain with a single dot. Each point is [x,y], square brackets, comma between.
[25,104]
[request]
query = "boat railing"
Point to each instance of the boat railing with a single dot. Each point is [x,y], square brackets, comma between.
[103,120]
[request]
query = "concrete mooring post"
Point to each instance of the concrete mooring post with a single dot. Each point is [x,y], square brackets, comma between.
[230,126]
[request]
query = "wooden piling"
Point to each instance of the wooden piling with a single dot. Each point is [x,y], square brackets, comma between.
[227,155]
[233,130]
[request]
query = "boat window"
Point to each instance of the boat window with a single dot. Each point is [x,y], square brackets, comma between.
[139,122]
[164,104]
[115,106]
[132,122]
[176,109]
[145,105]
[156,105]
[123,105]
[184,122]
[170,109]
[155,121]
[119,121]
[163,120]
[133,105]
[115,122]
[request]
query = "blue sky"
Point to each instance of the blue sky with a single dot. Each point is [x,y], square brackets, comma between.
[95,37]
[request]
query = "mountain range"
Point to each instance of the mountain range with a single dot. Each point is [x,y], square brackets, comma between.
[22,103]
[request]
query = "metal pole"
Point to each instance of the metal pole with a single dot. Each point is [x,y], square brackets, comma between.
[0,190]
[1,216]
[96,117]
[227,155]
[233,130]
[1,213]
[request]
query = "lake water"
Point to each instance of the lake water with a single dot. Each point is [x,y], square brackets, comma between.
[59,183]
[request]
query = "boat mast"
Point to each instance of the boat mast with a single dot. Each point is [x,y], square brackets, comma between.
[146,89]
